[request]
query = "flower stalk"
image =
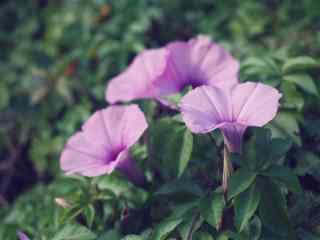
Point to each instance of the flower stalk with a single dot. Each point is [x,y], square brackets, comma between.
[227,169]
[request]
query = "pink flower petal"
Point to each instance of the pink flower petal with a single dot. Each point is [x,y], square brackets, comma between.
[231,109]
[22,236]
[232,134]
[198,62]
[137,81]
[124,124]
[96,149]
[255,104]
[161,72]
[206,108]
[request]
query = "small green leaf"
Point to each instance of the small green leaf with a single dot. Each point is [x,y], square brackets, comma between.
[292,97]
[186,150]
[212,209]
[254,229]
[110,235]
[190,225]
[74,232]
[240,181]
[299,63]
[272,208]
[286,176]
[180,185]
[165,228]
[286,125]
[89,213]
[280,146]
[132,237]
[245,205]
[202,236]
[119,186]
[173,146]
[304,81]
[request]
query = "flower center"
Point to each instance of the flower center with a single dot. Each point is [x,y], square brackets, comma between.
[113,155]
[195,83]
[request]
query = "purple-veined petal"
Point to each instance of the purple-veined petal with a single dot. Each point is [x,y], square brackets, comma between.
[161,72]
[198,62]
[137,80]
[96,149]
[22,236]
[124,124]
[231,109]
[232,134]
[206,108]
[254,104]
[128,167]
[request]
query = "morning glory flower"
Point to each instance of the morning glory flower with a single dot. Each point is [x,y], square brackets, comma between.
[157,73]
[22,236]
[231,110]
[104,142]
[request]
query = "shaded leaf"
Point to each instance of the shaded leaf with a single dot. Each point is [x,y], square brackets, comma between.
[299,63]
[272,208]
[181,185]
[245,205]
[240,181]
[285,175]
[163,229]
[74,232]
[186,150]
[212,209]
[304,81]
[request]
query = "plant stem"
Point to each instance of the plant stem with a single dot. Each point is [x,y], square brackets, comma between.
[227,169]
[193,226]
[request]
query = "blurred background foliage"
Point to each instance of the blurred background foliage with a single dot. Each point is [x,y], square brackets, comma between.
[56,59]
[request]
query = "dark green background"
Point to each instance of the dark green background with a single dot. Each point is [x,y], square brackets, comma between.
[57,56]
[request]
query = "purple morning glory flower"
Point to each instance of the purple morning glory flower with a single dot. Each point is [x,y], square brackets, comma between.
[161,72]
[104,142]
[22,236]
[232,110]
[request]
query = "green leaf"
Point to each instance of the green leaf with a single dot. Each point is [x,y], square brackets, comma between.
[299,63]
[173,146]
[240,181]
[286,125]
[74,232]
[180,185]
[211,209]
[259,149]
[307,163]
[285,175]
[262,150]
[89,213]
[245,205]
[254,229]
[186,150]
[182,210]
[202,236]
[132,237]
[110,235]
[165,228]
[223,236]
[120,186]
[279,147]
[272,208]
[190,225]
[292,97]
[304,81]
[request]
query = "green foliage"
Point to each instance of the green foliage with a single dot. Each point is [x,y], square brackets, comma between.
[240,181]
[56,60]
[212,209]
[245,205]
